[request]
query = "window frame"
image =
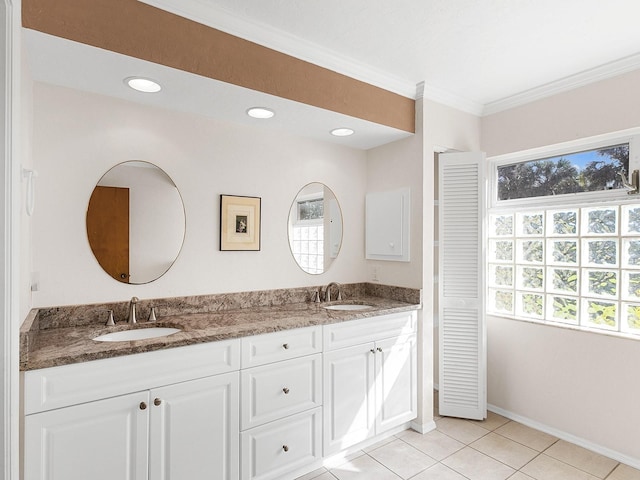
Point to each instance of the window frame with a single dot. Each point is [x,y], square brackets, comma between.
[580,200]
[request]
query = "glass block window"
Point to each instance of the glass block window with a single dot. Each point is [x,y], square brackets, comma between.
[308,247]
[576,266]
[308,235]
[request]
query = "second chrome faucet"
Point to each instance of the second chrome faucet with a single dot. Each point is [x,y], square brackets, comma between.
[327,292]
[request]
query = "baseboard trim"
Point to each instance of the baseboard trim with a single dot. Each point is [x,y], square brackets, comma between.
[581,442]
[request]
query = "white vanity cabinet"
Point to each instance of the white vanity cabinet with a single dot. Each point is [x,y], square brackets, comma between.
[261,407]
[370,378]
[180,426]
[281,403]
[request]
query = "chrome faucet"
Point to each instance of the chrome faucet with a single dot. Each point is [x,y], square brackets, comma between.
[132,310]
[327,292]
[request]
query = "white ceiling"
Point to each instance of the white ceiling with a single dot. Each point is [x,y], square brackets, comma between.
[480,56]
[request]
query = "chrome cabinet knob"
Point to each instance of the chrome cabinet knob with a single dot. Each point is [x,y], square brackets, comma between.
[379,349]
[157,402]
[285,390]
[285,346]
[285,448]
[143,405]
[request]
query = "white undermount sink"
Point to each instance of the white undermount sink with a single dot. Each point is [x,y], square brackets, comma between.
[136,334]
[347,306]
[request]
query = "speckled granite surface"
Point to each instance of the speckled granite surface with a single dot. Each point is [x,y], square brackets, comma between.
[63,335]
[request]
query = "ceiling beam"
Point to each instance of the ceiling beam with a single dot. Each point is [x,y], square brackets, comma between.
[142,31]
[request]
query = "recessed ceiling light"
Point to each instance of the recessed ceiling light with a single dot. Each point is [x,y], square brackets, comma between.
[342,132]
[145,85]
[260,112]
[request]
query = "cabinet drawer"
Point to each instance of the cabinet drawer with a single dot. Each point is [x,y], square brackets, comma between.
[270,392]
[272,450]
[277,346]
[345,334]
[56,387]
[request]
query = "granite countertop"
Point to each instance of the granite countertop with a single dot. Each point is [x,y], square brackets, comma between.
[63,345]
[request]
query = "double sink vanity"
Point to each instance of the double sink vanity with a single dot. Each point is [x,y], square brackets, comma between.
[253,385]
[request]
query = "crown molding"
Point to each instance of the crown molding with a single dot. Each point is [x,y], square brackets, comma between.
[451,100]
[215,17]
[593,75]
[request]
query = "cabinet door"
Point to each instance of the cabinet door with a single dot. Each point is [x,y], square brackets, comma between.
[194,432]
[105,439]
[349,403]
[396,382]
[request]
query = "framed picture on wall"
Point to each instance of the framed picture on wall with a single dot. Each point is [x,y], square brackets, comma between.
[239,223]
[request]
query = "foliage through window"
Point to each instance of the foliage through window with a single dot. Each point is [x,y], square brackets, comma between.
[311,209]
[587,171]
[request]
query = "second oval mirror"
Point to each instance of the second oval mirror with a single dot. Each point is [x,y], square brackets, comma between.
[135,222]
[315,228]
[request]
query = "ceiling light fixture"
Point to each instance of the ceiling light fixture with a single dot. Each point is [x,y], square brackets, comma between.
[260,112]
[342,132]
[141,84]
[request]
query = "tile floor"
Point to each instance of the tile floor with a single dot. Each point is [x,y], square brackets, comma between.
[495,449]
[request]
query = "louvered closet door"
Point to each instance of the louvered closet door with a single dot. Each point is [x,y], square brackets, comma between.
[462,332]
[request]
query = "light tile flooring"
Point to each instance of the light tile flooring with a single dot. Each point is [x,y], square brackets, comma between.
[495,449]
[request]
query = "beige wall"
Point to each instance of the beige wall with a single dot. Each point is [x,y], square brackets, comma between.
[78,136]
[608,106]
[578,383]
[389,167]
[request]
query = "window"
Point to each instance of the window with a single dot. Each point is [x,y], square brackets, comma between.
[560,248]
[586,171]
[308,235]
[310,210]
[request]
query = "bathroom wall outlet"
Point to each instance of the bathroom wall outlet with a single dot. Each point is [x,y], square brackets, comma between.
[374,273]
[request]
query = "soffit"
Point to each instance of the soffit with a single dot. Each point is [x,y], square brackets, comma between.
[209,71]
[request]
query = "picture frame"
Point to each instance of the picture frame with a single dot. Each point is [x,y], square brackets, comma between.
[240,223]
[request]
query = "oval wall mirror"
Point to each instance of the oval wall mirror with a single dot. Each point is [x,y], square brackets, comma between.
[135,222]
[315,228]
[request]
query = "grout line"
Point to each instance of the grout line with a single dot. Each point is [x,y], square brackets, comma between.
[380,463]
[611,472]
[516,471]
[577,467]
